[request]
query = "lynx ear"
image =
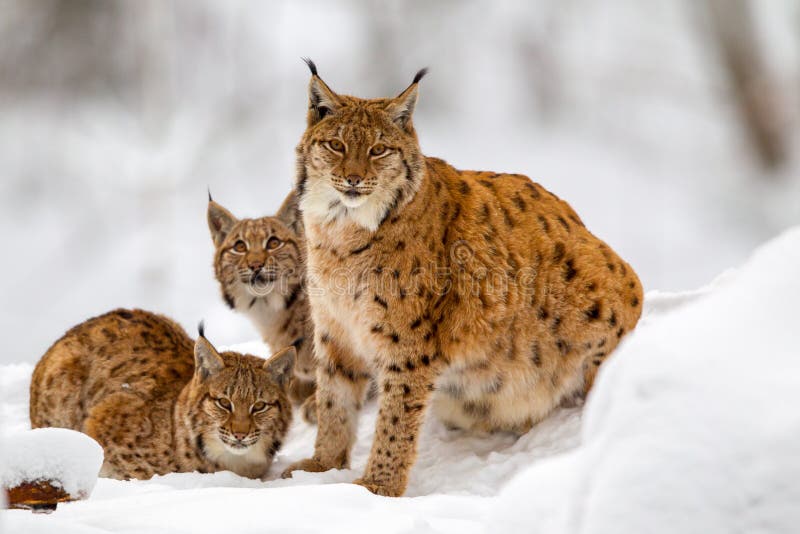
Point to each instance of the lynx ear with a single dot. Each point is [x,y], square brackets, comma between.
[289,213]
[321,99]
[402,106]
[220,221]
[207,360]
[281,365]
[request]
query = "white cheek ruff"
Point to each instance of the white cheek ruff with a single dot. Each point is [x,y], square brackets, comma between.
[321,202]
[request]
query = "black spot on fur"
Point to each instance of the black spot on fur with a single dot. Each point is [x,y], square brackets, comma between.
[519,202]
[558,251]
[569,270]
[532,189]
[564,223]
[563,347]
[276,445]
[464,188]
[593,313]
[476,409]
[612,321]
[381,302]
[507,218]
[544,223]
[293,296]
[635,301]
[361,249]
[536,356]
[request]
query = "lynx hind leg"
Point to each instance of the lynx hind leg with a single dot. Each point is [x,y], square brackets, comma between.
[118,423]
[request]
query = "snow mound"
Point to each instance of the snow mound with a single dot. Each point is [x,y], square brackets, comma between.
[692,426]
[68,458]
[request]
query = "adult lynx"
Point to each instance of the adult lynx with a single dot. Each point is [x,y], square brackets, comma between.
[479,293]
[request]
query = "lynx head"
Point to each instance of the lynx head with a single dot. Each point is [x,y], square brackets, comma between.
[256,258]
[238,403]
[358,158]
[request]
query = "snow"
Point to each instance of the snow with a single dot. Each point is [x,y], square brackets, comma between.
[691,427]
[66,458]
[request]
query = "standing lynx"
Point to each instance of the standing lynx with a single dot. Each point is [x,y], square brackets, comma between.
[157,402]
[259,266]
[480,294]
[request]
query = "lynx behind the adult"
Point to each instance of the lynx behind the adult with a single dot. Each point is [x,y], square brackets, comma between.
[259,264]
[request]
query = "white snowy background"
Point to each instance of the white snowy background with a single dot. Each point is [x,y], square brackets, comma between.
[115,116]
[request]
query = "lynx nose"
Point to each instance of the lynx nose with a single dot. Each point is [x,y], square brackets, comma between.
[240,435]
[256,265]
[353,180]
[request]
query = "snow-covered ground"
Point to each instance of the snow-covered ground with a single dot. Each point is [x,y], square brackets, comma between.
[692,427]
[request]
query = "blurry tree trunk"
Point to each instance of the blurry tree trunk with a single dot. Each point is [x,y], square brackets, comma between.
[756,92]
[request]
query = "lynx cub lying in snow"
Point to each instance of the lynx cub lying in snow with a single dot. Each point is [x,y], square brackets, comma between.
[259,266]
[158,403]
[478,293]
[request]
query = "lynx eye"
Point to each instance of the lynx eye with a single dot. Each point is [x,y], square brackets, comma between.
[273,243]
[224,403]
[336,145]
[258,407]
[240,247]
[377,150]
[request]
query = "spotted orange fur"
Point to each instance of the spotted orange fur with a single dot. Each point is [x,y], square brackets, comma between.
[158,402]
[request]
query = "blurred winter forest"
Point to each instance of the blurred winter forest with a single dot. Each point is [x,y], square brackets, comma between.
[670,126]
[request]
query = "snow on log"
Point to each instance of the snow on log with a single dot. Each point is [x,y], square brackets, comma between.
[45,466]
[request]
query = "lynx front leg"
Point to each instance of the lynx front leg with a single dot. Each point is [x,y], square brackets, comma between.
[341,384]
[404,393]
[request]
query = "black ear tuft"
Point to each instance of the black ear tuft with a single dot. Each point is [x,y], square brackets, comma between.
[201,329]
[311,66]
[209,194]
[421,74]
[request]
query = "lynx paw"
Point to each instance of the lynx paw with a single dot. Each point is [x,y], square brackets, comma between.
[310,465]
[386,490]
